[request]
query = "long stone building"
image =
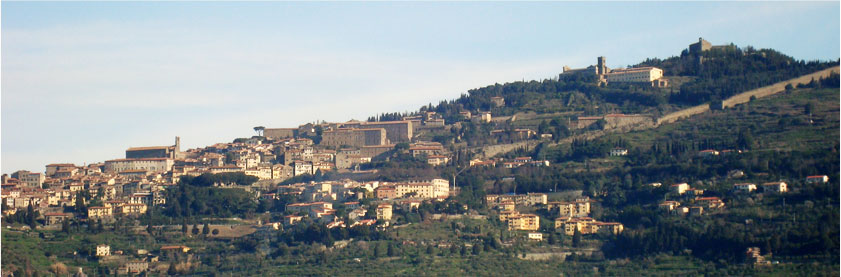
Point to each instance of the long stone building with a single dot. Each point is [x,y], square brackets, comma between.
[148,164]
[354,137]
[280,133]
[635,75]
[170,152]
[396,131]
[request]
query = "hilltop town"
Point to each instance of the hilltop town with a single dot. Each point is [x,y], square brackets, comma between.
[591,168]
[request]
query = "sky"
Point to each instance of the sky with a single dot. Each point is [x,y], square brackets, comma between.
[83,81]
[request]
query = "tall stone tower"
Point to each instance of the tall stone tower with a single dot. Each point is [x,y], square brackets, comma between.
[601,68]
[177,146]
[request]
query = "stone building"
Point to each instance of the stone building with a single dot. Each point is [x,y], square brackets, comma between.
[346,158]
[52,169]
[498,101]
[354,137]
[605,75]
[148,164]
[170,152]
[280,133]
[373,151]
[30,179]
[396,131]
[701,46]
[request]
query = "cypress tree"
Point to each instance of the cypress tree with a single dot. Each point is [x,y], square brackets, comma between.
[576,238]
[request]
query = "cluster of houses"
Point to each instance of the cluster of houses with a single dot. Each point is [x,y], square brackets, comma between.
[755,257]
[141,261]
[572,216]
[777,187]
[62,187]
[699,203]
[318,199]
[575,216]
[127,186]
[695,196]
[433,152]
[508,203]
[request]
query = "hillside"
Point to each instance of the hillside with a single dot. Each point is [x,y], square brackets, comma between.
[695,79]
[583,192]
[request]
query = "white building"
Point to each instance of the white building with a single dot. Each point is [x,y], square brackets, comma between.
[536,236]
[263,173]
[634,75]
[680,188]
[420,190]
[440,187]
[618,152]
[301,167]
[103,250]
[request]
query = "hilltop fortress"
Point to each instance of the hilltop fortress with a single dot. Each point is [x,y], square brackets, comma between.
[651,75]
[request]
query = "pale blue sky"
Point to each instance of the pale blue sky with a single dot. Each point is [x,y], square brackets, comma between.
[81,82]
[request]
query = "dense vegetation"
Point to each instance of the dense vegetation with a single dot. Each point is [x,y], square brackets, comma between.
[225,178]
[723,72]
[195,196]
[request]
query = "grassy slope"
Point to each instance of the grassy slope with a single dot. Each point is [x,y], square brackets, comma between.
[763,118]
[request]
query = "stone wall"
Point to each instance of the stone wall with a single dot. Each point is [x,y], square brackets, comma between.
[778,87]
[745,96]
[280,133]
[614,121]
